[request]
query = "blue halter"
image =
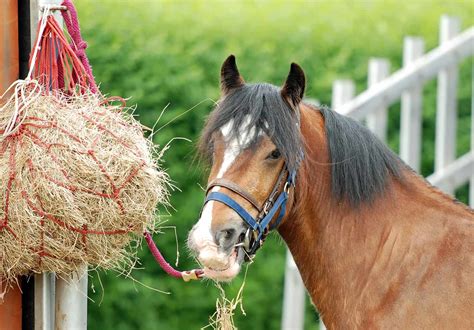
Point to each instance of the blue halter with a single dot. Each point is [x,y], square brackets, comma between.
[259,227]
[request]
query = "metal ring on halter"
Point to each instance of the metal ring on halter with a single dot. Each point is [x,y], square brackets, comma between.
[287,187]
[249,239]
[267,207]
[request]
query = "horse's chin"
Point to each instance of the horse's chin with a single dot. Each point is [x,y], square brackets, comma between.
[229,273]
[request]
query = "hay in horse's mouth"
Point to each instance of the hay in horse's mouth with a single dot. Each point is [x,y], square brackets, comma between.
[217,270]
[227,273]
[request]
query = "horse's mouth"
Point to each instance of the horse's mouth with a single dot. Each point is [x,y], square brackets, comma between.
[229,272]
[217,270]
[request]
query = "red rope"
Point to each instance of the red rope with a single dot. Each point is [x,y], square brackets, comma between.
[186,275]
[57,64]
[72,25]
[15,141]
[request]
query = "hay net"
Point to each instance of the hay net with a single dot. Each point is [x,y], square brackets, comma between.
[78,180]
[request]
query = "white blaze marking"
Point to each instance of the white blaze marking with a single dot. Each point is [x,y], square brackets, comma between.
[202,233]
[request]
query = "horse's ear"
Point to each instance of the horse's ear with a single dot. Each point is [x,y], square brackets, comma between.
[230,76]
[293,89]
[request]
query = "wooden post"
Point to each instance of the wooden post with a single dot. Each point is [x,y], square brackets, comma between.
[10,302]
[10,309]
[446,114]
[379,69]
[9,57]
[411,108]
[343,90]
[293,298]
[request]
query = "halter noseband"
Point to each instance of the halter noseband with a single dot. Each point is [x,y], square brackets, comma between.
[259,227]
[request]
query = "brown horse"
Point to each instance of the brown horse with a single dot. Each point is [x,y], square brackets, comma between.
[376,245]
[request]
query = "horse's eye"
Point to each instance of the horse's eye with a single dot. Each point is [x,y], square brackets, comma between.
[275,154]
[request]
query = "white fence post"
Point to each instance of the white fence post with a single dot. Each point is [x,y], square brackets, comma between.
[379,69]
[343,90]
[446,114]
[411,108]
[293,297]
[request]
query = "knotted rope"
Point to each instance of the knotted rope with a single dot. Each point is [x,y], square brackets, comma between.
[78,44]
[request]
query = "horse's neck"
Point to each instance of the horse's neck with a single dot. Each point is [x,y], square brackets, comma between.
[349,257]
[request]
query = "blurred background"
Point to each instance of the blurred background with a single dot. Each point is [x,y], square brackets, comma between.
[168,54]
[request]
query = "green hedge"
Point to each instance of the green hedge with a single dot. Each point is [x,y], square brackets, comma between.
[161,53]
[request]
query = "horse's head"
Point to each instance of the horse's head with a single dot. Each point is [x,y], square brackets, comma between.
[252,139]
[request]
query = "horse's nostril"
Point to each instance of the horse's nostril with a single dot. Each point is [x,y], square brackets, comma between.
[229,233]
[225,234]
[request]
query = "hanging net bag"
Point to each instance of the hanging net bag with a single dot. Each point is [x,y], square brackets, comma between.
[78,180]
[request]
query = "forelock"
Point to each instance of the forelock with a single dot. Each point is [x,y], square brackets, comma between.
[256,108]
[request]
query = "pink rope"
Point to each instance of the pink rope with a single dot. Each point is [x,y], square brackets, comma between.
[78,44]
[166,266]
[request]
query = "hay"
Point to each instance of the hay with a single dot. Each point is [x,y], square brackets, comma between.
[79,182]
[223,318]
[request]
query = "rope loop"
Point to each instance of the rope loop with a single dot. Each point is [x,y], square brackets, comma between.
[78,44]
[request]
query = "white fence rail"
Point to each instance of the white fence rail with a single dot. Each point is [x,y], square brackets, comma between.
[407,84]
[423,69]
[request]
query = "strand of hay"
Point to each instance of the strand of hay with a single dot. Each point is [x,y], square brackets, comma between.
[223,318]
[78,183]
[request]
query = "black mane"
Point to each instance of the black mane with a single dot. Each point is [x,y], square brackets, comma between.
[361,163]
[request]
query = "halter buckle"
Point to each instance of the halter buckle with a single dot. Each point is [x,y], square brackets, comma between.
[287,187]
[267,207]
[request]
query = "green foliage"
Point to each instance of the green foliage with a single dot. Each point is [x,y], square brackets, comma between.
[169,52]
